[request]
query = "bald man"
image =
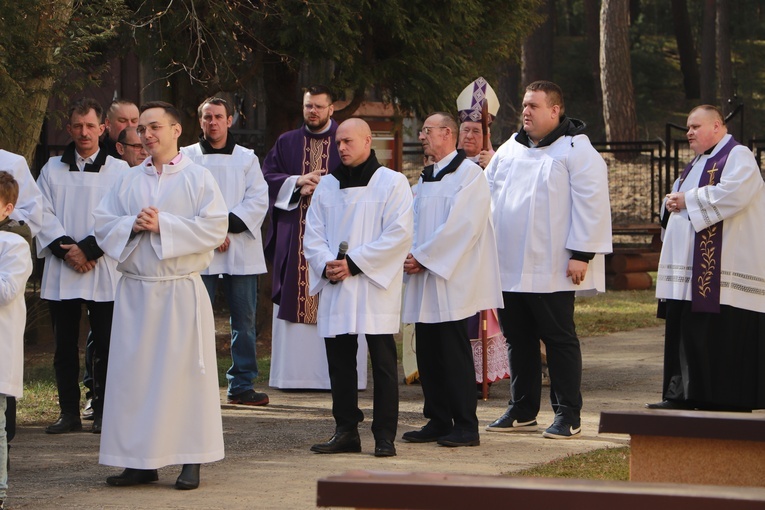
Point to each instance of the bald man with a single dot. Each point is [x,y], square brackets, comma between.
[367,207]
[712,275]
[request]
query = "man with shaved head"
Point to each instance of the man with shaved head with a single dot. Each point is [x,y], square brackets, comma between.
[711,276]
[121,114]
[366,208]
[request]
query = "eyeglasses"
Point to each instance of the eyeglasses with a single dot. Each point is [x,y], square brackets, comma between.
[308,107]
[428,129]
[152,128]
[133,145]
[473,131]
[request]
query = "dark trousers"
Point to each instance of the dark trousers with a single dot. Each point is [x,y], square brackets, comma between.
[447,375]
[714,361]
[343,379]
[525,319]
[66,361]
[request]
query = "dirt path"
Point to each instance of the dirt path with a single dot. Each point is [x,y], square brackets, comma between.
[268,464]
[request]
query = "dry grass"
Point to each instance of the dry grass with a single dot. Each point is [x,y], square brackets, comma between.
[603,464]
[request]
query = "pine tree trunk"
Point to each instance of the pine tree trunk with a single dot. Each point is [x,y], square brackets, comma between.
[686,49]
[615,72]
[724,63]
[708,81]
[537,52]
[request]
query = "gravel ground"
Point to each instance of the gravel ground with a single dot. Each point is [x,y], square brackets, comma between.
[268,464]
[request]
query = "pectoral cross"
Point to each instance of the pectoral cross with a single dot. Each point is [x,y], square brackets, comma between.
[712,171]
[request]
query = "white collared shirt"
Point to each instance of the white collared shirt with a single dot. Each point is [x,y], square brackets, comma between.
[440,165]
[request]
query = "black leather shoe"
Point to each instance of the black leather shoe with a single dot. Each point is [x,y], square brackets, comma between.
[341,442]
[669,404]
[460,438]
[427,434]
[189,477]
[133,477]
[384,448]
[65,423]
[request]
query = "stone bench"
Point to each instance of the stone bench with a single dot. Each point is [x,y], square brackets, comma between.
[368,489]
[696,447]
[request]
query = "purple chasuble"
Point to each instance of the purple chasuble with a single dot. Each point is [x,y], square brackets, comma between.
[296,152]
[705,280]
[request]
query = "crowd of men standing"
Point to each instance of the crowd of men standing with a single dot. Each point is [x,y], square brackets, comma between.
[142,233]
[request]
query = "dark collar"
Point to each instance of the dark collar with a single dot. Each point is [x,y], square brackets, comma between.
[427,173]
[354,177]
[567,127]
[711,149]
[209,149]
[69,157]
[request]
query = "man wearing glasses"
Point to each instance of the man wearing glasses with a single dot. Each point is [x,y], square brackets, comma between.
[162,223]
[130,148]
[292,170]
[121,114]
[452,274]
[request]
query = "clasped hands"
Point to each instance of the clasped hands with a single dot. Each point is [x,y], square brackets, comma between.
[76,259]
[337,270]
[147,220]
[675,201]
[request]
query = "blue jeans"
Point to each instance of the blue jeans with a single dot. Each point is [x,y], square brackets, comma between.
[241,293]
[3,449]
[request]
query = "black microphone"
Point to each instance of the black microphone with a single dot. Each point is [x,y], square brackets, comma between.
[341,251]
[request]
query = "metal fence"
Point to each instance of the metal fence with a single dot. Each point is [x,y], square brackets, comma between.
[640,172]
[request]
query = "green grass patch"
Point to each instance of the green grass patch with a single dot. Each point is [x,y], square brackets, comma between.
[603,464]
[616,311]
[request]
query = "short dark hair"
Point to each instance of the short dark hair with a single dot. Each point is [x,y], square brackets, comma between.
[83,106]
[169,109]
[553,91]
[122,137]
[9,188]
[316,90]
[217,101]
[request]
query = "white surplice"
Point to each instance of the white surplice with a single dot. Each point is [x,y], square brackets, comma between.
[376,222]
[547,202]
[246,194]
[29,205]
[162,403]
[454,241]
[15,268]
[69,199]
[738,200]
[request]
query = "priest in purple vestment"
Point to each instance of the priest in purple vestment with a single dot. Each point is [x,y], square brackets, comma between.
[711,276]
[292,169]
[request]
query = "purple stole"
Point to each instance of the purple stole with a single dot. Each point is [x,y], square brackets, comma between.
[705,280]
